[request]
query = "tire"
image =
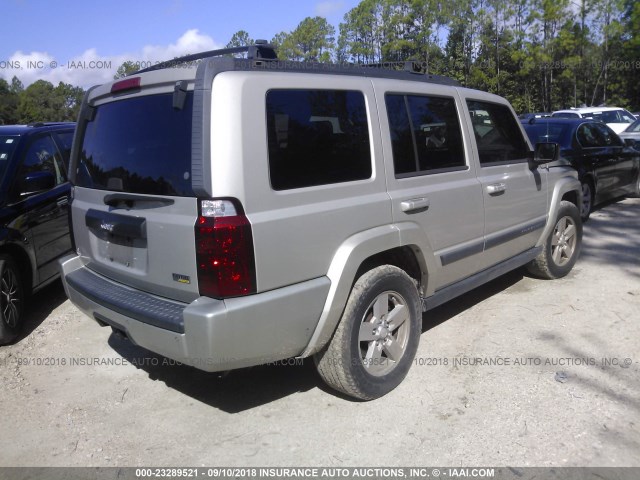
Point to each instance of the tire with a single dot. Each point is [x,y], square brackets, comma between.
[562,247]
[636,194]
[11,300]
[587,200]
[377,338]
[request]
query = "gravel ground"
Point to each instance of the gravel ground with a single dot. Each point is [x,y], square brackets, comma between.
[519,372]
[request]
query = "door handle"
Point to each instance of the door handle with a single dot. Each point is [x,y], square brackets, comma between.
[414,205]
[496,188]
[62,201]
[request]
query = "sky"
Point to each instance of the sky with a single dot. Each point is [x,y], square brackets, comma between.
[84,42]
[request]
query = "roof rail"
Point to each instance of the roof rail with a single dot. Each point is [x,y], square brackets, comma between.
[411,66]
[46,124]
[261,49]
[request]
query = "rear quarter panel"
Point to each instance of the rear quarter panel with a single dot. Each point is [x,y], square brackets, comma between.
[296,232]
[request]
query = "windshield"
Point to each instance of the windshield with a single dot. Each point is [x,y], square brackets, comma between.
[139,145]
[7,146]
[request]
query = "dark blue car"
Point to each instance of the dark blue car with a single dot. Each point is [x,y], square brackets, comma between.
[607,166]
[34,204]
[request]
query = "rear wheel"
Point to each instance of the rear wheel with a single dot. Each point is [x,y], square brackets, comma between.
[11,300]
[377,337]
[562,247]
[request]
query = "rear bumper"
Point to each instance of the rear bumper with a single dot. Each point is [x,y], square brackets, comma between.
[211,335]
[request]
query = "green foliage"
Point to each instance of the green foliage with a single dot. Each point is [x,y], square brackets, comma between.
[127,68]
[8,104]
[37,103]
[362,33]
[41,102]
[71,98]
[542,55]
[240,39]
[16,85]
[313,40]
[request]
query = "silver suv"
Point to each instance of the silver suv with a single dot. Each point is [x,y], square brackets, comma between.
[242,211]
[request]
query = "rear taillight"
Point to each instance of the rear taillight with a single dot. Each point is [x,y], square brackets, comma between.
[224,250]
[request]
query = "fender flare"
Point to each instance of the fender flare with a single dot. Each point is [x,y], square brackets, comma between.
[346,262]
[561,187]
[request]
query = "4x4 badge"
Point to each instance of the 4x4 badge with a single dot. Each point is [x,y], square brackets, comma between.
[181,278]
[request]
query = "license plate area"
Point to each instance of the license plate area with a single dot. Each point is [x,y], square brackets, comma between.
[118,250]
[118,240]
[121,252]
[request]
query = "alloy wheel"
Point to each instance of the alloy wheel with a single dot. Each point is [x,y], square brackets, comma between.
[10,297]
[384,333]
[563,243]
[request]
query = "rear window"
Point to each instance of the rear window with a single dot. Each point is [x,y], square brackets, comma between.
[317,137]
[566,115]
[139,145]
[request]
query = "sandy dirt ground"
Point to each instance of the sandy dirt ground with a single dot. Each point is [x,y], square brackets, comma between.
[520,372]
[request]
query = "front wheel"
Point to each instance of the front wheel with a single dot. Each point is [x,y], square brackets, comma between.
[636,194]
[562,247]
[377,338]
[587,200]
[11,300]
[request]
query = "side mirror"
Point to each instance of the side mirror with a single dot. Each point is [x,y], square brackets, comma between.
[36,182]
[545,152]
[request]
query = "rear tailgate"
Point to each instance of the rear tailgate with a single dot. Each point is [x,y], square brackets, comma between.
[134,209]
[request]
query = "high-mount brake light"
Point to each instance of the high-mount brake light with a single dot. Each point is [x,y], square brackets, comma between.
[224,250]
[126,84]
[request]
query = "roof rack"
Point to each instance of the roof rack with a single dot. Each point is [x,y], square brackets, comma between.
[379,70]
[260,50]
[262,56]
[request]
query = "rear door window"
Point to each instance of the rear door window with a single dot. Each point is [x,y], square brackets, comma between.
[139,145]
[425,134]
[498,136]
[317,137]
